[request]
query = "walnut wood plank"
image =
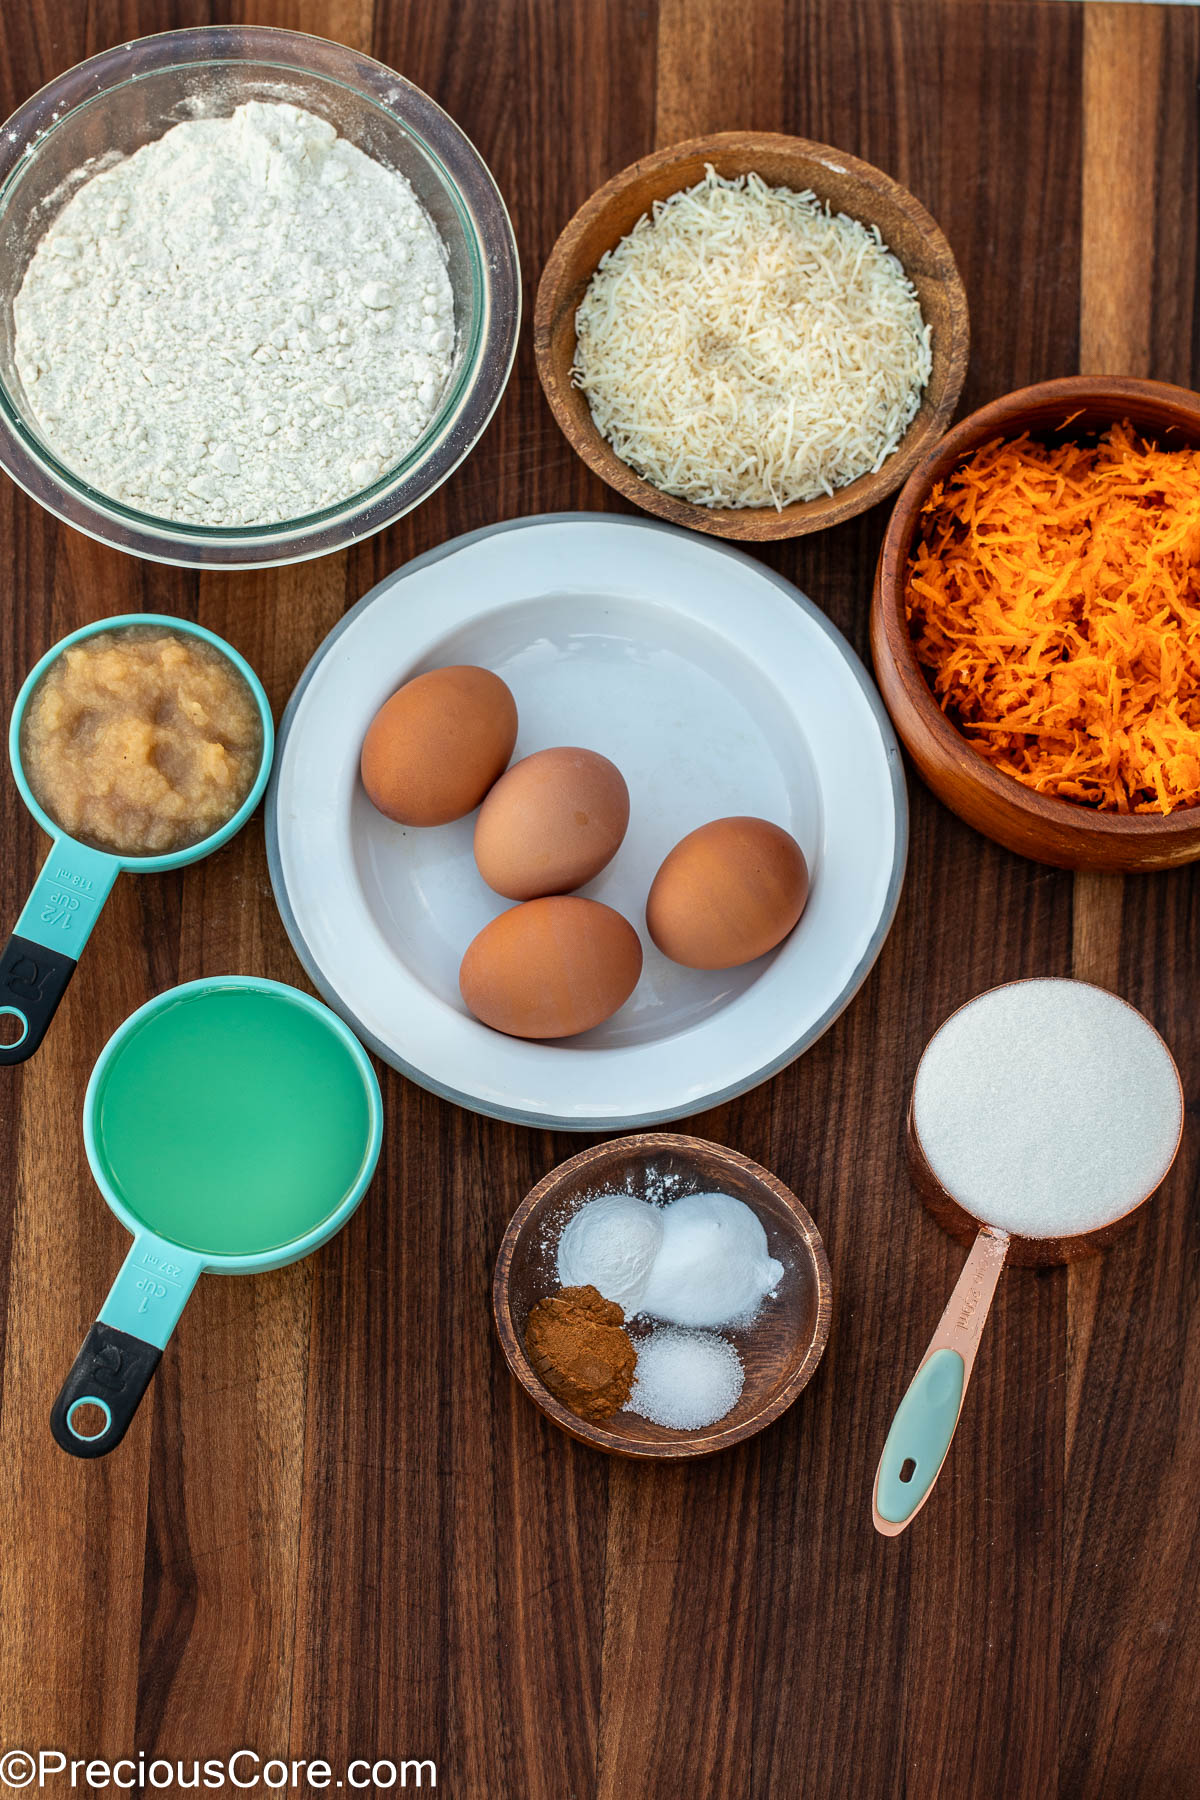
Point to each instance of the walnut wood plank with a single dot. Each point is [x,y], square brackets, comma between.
[1128,1465]
[219,1611]
[340,1529]
[480,1543]
[72,1570]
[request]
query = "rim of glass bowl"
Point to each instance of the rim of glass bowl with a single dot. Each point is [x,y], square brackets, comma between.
[485,363]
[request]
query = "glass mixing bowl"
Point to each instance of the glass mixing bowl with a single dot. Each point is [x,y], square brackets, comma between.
[114,103]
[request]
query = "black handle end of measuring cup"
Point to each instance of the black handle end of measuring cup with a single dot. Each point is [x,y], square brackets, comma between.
[32,982]
[112,1371]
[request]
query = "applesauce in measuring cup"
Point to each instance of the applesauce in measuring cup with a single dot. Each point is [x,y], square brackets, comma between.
[141,741]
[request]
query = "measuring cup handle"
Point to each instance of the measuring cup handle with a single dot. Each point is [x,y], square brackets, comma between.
[33,979]
[925,1421]
[125,1345]
[112,1372]
[39,958]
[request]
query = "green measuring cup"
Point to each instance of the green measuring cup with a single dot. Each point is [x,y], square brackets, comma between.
[40,957]
[232,1124]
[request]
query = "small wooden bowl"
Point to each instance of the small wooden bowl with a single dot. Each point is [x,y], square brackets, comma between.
[779,1350]
[1045,828]
[850,186]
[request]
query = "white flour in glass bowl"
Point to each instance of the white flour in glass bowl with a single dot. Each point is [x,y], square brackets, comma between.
[244,322]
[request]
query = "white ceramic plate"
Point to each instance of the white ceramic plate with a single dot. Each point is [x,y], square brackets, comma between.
[716,688]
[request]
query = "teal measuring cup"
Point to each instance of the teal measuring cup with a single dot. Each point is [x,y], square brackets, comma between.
[232,1124]
[40,957]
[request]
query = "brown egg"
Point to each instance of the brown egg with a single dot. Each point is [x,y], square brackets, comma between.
[727,893]
[551,967]
[435,748]
[553,822]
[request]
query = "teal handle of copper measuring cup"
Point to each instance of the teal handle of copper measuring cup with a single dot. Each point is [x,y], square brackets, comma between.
[124,1347]
[920,1436]
[923,1428]
[40,957]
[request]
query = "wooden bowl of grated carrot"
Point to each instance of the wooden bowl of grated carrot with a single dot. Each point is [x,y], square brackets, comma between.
[1036,622]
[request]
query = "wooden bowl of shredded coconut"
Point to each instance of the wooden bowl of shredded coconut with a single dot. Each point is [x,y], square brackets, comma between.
[752,335]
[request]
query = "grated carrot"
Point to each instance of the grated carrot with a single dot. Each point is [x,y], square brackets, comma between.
[1054,604]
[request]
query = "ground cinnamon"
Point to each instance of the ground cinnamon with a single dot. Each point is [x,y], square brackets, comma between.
[578,1346]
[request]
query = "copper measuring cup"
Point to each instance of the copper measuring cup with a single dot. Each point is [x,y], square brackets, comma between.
[925,1421]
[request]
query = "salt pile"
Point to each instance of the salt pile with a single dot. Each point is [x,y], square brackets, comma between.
[685,1379]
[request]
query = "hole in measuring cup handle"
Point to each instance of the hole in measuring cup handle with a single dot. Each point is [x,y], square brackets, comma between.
[33,980]
[81,1407]
[12,1037]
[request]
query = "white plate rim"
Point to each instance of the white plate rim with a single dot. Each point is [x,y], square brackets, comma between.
[530,1116]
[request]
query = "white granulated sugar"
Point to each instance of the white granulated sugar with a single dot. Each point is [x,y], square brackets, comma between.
[685,1379]
[1047,1107]
[244,322]
[744,346]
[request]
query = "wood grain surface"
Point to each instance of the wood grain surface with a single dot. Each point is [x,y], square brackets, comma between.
[340,1529]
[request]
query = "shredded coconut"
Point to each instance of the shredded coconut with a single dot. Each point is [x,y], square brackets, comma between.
[744,346]
[244,322]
